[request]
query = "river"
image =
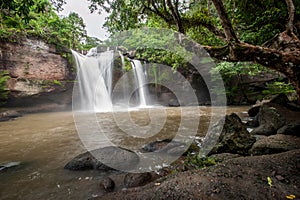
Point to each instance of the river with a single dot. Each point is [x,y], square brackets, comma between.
[43,143]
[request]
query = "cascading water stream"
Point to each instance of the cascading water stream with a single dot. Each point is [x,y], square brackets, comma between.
[141,80]
[94,77]
[95,83]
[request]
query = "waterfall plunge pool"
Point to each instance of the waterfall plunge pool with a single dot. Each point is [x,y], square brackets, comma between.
[45,142]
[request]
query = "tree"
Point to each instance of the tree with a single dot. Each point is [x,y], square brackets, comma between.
[40,20]
[277,46]
[76,28]
[22,7]
[282,55]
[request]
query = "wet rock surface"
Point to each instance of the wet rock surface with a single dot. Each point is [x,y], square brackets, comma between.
[234,137]
[270,120]
[8,115]
[167,146]
[104,159]
[253,111]
[275,144]
[292,128]
[280,99]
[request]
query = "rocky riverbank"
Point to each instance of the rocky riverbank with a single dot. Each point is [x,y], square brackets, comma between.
[261,164]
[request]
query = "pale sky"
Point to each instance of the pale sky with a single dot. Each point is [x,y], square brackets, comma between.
[93,21]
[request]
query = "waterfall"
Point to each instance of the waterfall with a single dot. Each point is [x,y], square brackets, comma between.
[94,76]
[140,77]
[94,86]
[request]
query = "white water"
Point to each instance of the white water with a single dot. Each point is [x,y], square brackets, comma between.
[94,90]
[94,75]
[140,76]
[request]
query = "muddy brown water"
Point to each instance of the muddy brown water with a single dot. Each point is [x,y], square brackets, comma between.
[43,143]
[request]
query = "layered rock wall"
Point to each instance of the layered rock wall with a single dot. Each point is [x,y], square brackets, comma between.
[39,74]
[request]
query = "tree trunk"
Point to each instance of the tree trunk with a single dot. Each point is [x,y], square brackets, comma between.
[176,17]
[291,10]
[226,24]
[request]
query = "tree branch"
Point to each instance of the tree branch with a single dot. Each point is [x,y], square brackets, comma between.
[176,17]
[156,11]
[226,24]
[291,11]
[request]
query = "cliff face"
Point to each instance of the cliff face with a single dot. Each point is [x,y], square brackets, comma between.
[39,74]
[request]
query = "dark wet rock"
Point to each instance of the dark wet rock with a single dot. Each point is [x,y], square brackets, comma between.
[136,180]
[259,137]
[163,145]
[293,106]
[104,159]
[224,156]
[265,129]
[10,114]
[86,161]
[275,144]
[253,111]
[156,145]
[107,184]
[292,128]
[252,122]
[280,99]
[270,120]
[173,103]
[234,137]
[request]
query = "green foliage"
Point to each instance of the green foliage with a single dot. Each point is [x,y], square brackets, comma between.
[41,21]
[254,21]
[197,162]
[57,82]
[269,181]
[278,88]
[236,71]
[4,76]
[229,70]
[259,21]
[152,45]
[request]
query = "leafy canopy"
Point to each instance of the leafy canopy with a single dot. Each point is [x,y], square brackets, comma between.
[39,18]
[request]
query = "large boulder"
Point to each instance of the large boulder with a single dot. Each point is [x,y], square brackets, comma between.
[9,114]
[275,144]
[292,128]
[280,99]
[254,110]
[234,137]
[270,120]
[104,159]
